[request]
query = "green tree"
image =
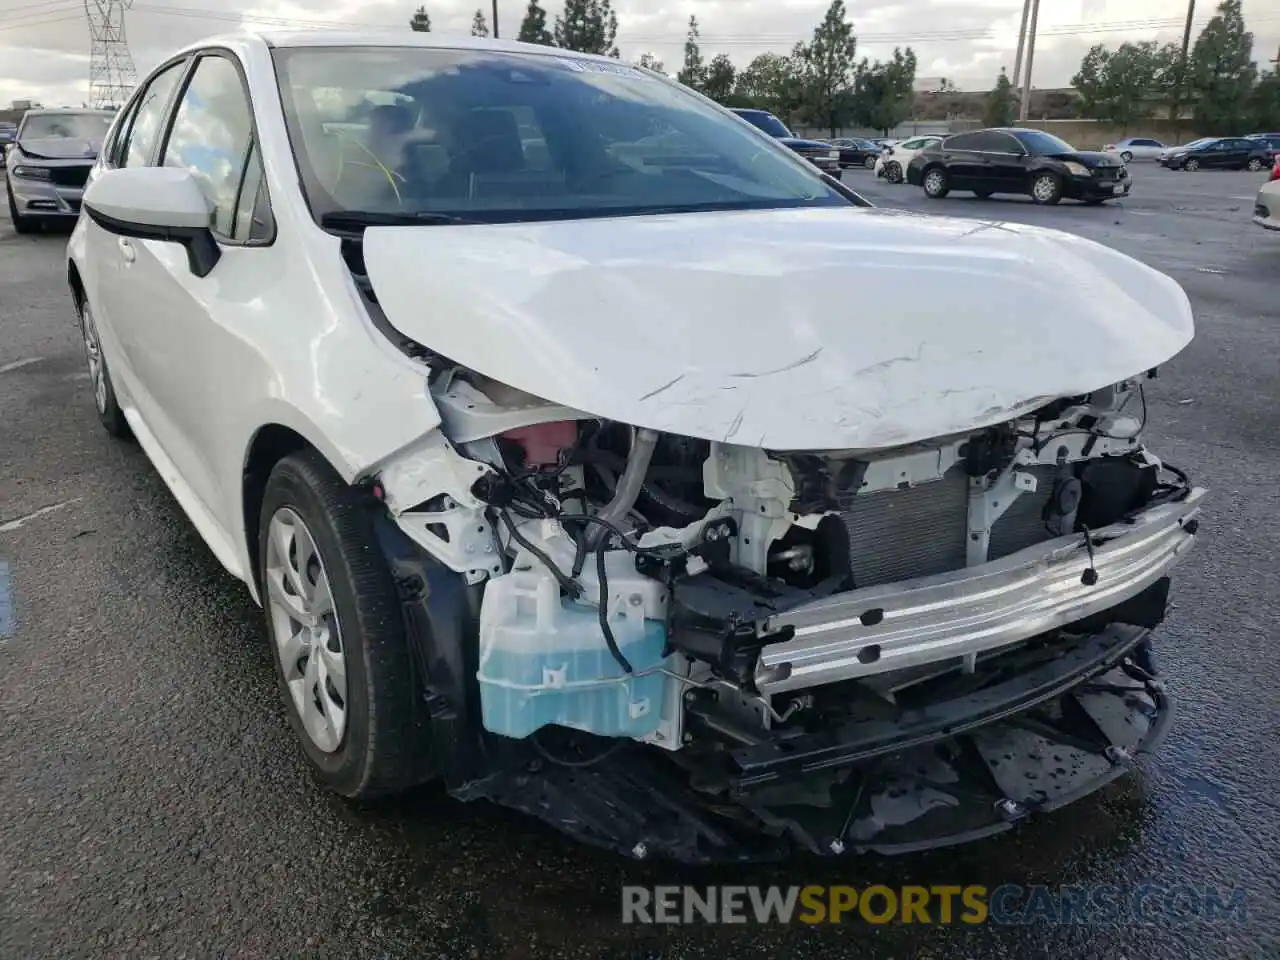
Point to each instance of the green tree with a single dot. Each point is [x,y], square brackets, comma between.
[719,79]
[533,29]
[420,23]
[771,82]
[650,62]
[479,26]
[1001,109]
[828,69]
[1122,85]
[588,26]
[693,71]
[1264,102]
[884,93]
[1222,71]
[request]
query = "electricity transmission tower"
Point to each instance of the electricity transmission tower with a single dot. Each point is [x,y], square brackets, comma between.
[112,76]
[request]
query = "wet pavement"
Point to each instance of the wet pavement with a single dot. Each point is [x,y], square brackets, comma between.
[152,802]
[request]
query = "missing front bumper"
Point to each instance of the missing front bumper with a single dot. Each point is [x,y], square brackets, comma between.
[965,768]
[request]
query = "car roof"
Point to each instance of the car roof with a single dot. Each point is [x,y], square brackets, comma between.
[282,38]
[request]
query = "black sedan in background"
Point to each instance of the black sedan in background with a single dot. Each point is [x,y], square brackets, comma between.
[1222,153]
[856,152]
[824,156]
[1014,160]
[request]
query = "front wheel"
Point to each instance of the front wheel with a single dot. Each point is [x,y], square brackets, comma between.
[342,657]
[1255,164]
[1193,165]
[1046,189]
[1126,156]
[869,162]
[935,183]
[21,223]
[893,172]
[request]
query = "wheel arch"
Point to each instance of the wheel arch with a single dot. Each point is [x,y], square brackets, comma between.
[76,283]
[270,444]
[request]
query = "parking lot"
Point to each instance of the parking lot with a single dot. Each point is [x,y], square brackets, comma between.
[154,802]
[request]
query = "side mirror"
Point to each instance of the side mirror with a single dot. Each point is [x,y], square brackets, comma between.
[156,203]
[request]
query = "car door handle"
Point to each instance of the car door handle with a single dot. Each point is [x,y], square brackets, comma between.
[127,251]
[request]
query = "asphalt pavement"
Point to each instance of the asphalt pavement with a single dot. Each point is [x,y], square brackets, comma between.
[152,802]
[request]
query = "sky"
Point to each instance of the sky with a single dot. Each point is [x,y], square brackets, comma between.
[44,44]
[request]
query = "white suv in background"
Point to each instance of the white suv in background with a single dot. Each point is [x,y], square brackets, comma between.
[892,164]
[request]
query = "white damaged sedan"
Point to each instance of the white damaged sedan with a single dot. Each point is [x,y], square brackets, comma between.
[522,389]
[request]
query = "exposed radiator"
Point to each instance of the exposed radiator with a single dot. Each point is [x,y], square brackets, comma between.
[922,530]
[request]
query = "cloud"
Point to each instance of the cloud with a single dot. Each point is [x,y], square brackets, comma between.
[44,44]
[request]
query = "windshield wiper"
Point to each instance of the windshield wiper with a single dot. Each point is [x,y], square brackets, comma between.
[359,219]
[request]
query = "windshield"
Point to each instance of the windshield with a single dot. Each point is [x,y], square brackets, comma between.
[478,135]
[1039,142]
[61,126]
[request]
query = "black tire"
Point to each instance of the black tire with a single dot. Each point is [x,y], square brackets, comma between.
[982,194]
[21,223]
[1192,164]
[109,413]
[893,171]
[1126,156]
[1046,188]
[385,746]
[941,183]
[869,161]
[1255,164]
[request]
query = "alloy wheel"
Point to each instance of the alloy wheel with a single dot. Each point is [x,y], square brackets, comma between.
[306,630]
[933,182]
[1044,188]
[93,355]
[1255,164]
[1192,164]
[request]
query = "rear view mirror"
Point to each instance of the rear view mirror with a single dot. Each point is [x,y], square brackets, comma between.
[156,203]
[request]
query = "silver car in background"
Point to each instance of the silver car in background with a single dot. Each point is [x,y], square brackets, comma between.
[49,162]
[1137,148]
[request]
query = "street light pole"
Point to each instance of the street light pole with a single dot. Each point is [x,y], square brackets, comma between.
[495,19]
[1025,110]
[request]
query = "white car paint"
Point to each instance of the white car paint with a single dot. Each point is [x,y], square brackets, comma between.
[1268,200]
[1138,148]
[717,325]
[543,307]
[903,153]
[157,197]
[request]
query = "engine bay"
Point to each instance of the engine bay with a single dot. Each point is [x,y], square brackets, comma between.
[632,580]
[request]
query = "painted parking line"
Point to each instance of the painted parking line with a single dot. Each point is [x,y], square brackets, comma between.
[6,603]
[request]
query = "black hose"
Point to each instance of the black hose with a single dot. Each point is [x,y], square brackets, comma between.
[603,613]
[569,585]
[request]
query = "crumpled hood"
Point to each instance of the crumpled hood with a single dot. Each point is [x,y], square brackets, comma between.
[788,329]
[60,148]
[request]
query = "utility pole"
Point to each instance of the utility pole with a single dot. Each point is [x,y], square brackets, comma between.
[1180,82]
[1022,42]
[495,19]
[1025,110]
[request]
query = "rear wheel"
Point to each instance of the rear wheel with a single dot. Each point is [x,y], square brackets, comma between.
[21,224]
[936,185]
[893,172]
[1192,164]
[342,658]
[104,393]
[1255,164]
[1046,189]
